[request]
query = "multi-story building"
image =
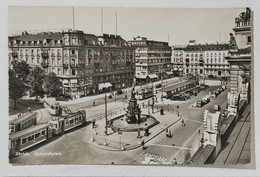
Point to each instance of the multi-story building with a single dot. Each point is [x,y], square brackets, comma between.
[202,60]
[85,63]
[214,60]
[152,59]
[239,56]
[177,59]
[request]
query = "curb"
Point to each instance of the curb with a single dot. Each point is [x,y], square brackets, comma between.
[135,147]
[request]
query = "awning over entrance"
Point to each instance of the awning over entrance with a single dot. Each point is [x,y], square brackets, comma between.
[152,76]
[175,69]
[180,69]
[104,85]
[73,81]
[169,73]
[141,76]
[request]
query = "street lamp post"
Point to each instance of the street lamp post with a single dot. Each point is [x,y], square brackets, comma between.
[106,112]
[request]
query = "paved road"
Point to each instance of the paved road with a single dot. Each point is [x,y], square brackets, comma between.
[75,147]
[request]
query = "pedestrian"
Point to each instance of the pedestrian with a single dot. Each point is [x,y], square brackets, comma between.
[29,109]
[182,122]
[93,124]
[143,105]
[174,161]
[94,103]
[142,144]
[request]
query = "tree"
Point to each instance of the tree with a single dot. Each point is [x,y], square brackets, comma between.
[22,70]
[52,85]
[16,87]
[35,78]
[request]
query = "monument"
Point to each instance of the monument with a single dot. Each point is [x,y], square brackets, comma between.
[133,113]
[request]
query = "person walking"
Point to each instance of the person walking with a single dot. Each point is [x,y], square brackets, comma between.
[29,109]
[182,122]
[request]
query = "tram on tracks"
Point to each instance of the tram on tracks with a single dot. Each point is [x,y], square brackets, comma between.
[145,93]
[27,138]
[52,106]
[23,122]
[62,124]
[24,139]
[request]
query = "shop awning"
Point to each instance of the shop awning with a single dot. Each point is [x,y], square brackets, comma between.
[169,73]
[65,81]
[141,76]
[73,81]
[180,69]
[152,76]
[175,69]
[104,85]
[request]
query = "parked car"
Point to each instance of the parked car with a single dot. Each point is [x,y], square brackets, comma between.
[211,76]
[119,92]
[204,87]
[199,104]
[216,107]
[205,100]
[225,113]
[178,97]
[187,96]
[158,86]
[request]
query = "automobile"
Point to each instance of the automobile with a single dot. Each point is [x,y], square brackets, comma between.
[119,92]
[204,87]
[195,92]
[216,107]
[178,97]
[225,113]
[110,96]
[187,96]
[211,76]
[224,87]
[199,104]
[205,100]
[189,92]
[158,86]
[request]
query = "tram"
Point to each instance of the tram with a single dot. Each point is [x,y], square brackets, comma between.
[23,122]
[27,138]
[62,124]
[145,93]
[24,139]
[52,106]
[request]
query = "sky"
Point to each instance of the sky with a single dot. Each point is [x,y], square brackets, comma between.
[178,25]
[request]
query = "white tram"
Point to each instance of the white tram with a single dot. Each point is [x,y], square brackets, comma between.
[52,106]
[64,123]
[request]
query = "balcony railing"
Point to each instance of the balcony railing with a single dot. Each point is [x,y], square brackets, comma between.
[45,65]
[15,54]
[45,55]
[65,65]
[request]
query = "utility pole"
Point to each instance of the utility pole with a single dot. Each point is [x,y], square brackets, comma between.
[102,21]
[106,112]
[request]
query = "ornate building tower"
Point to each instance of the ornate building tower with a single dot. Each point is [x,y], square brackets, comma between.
[239,57]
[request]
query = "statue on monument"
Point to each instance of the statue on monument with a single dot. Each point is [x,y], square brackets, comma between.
[232,42]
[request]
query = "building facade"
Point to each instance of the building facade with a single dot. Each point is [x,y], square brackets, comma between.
[152,59]
[85,63]
[239,57]
[202,59]
[178,59]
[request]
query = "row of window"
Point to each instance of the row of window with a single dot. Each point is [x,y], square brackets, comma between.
[33,136]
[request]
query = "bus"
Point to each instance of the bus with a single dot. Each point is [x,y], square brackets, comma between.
[52,106]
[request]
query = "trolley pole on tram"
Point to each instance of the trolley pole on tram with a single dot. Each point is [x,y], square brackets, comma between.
[106,112]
